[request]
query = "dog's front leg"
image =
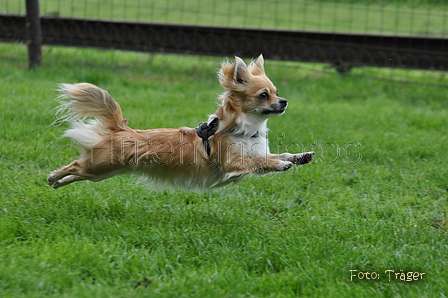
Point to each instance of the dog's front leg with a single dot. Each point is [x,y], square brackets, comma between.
[257,165]
[297,159]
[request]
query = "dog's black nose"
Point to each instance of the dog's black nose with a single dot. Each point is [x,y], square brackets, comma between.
[282,102]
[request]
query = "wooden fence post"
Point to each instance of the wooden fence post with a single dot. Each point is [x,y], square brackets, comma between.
[34,34]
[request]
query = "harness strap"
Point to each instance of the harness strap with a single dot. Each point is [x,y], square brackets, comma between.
[205,131]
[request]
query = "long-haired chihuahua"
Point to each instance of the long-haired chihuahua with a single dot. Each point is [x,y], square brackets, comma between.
[230,145]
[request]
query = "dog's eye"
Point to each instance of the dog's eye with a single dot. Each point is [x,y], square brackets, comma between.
[264,96]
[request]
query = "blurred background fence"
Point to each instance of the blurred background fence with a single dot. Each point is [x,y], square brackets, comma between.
[347,35]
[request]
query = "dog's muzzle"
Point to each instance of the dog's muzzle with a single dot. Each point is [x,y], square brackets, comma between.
[278,107]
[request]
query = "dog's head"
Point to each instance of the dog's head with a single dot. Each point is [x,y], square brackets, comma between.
[251,91]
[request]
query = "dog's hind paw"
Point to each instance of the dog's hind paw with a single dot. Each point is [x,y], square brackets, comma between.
[52,178]
[63,181]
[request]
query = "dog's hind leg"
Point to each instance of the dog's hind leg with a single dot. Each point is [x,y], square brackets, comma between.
[67,180]
[73,169]
[83,170]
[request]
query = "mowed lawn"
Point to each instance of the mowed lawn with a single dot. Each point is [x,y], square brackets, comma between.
[374,200]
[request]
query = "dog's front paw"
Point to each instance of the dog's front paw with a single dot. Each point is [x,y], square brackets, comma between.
[303,158]
[284,165]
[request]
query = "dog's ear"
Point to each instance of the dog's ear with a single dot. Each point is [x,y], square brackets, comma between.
[257,66]
[234,76]
[241,72]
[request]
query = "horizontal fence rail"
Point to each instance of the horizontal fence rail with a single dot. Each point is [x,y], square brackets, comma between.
[342,50]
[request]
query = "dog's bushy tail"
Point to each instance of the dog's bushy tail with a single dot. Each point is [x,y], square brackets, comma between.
[87,100]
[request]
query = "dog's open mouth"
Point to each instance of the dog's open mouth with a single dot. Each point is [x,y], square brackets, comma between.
[273,112]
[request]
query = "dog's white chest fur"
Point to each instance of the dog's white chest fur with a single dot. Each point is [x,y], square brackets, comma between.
[250,137]
[252,146]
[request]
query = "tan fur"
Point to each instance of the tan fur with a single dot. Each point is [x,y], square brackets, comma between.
[177,157]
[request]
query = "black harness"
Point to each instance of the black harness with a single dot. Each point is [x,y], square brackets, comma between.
[205,131]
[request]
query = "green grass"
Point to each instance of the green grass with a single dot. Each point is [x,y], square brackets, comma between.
[401,17]
[294,234]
